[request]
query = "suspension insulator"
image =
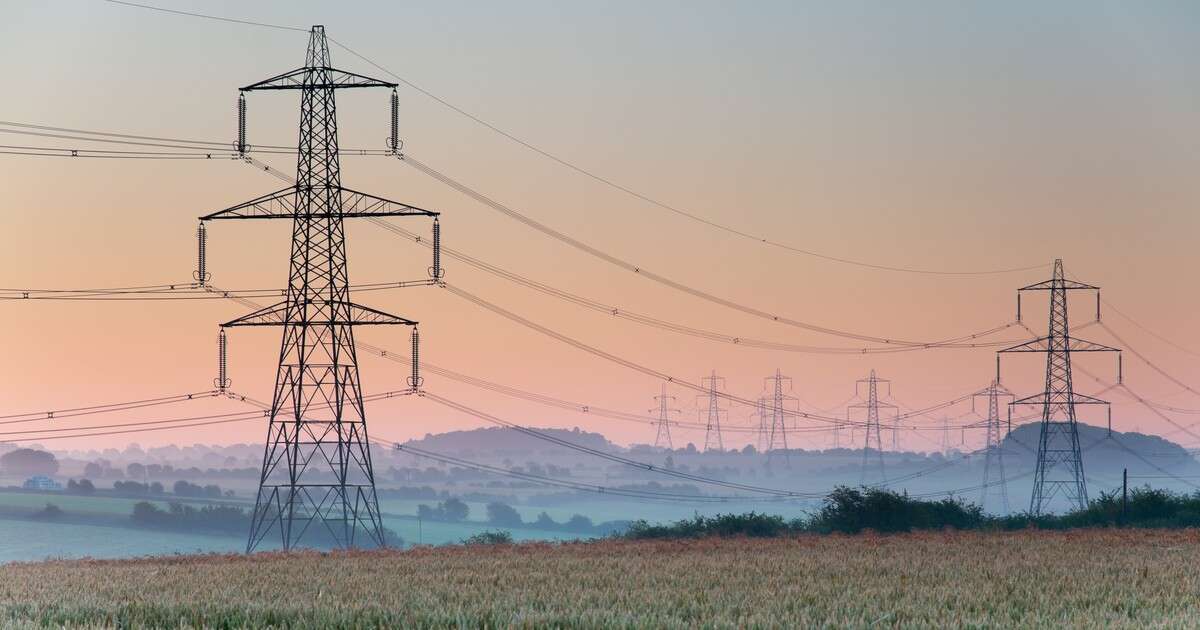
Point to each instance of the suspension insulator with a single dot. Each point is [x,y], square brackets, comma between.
[394,139]
[241,110]
[222,380]
[201,274]
[436,272]
[415,381]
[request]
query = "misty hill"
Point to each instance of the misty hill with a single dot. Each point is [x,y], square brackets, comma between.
[1109,454]
[502,441]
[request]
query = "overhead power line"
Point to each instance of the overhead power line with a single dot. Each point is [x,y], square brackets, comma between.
[656,277]
[661,324]
[181,291]
[592,174]
[70,412]
[577,485]
[662,376]
[894,345]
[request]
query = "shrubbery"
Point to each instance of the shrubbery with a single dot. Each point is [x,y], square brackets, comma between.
[50,512]
[489,538]
[851,510]
[752,524]
[452,510]
[854,510]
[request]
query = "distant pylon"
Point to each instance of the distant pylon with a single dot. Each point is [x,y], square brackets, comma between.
[712,415]
[662,439]
[872,463]
[777,445]
[1059,460]
[993,460]
[945,436]
[763,413]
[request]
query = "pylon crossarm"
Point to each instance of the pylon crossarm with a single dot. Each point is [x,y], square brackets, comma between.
[1035,345]
[273,315]
[1084,399]
[360,204]
[1062,283]
[276,315]
[332,78]
[1083,345]
[1073,345]
[1040,399]
[282,205]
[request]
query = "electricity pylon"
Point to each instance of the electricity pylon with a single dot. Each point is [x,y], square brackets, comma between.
[993,459]
[712,415]
[317,473]
[777,445]
[1059,460]
[764,425]
[663,438]
[873,447]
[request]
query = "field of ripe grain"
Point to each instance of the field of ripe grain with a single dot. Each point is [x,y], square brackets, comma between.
[1045,579]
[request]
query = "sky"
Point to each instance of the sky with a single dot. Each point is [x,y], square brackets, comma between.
[940,135]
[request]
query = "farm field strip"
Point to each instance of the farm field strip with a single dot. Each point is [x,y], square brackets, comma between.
[1083,579]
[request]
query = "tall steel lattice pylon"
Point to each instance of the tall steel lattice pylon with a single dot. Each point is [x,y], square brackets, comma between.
[317,481]
[994,480]
[1059,460]
[782,405]
[872,463]
[662,439]
[712,415]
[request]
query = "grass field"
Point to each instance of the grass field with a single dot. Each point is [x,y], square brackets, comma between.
[1044,579]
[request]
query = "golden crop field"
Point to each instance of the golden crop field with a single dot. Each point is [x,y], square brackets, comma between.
[1032,579]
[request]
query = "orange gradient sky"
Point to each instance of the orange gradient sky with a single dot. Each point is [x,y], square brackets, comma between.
[944,135]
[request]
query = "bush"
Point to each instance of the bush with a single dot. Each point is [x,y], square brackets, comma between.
[544,521]
[28,461]
[83,486]
[852,510]
[49,512]
[1147,507]
[130,487]
[452,510]
[752,524]
[503,515]
[490,538]
[579,524]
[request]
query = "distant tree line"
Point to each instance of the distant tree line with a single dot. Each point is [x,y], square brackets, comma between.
[855,510]
[503,515]
[225,519]
[180,488]
[104,469]
[28,461]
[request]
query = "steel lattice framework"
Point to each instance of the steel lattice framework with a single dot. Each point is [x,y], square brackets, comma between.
[993,461]
[873,446]
[662,438]
[1059,462]
[763,441]
[777,445]
[317,467]
[712,431]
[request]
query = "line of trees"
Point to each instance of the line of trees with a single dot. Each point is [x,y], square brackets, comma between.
[181,488]
[450,510]
[855,510]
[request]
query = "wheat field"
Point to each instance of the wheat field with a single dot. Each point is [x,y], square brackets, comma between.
[1028,579]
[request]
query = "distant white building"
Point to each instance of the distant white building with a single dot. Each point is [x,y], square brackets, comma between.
[41,482]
